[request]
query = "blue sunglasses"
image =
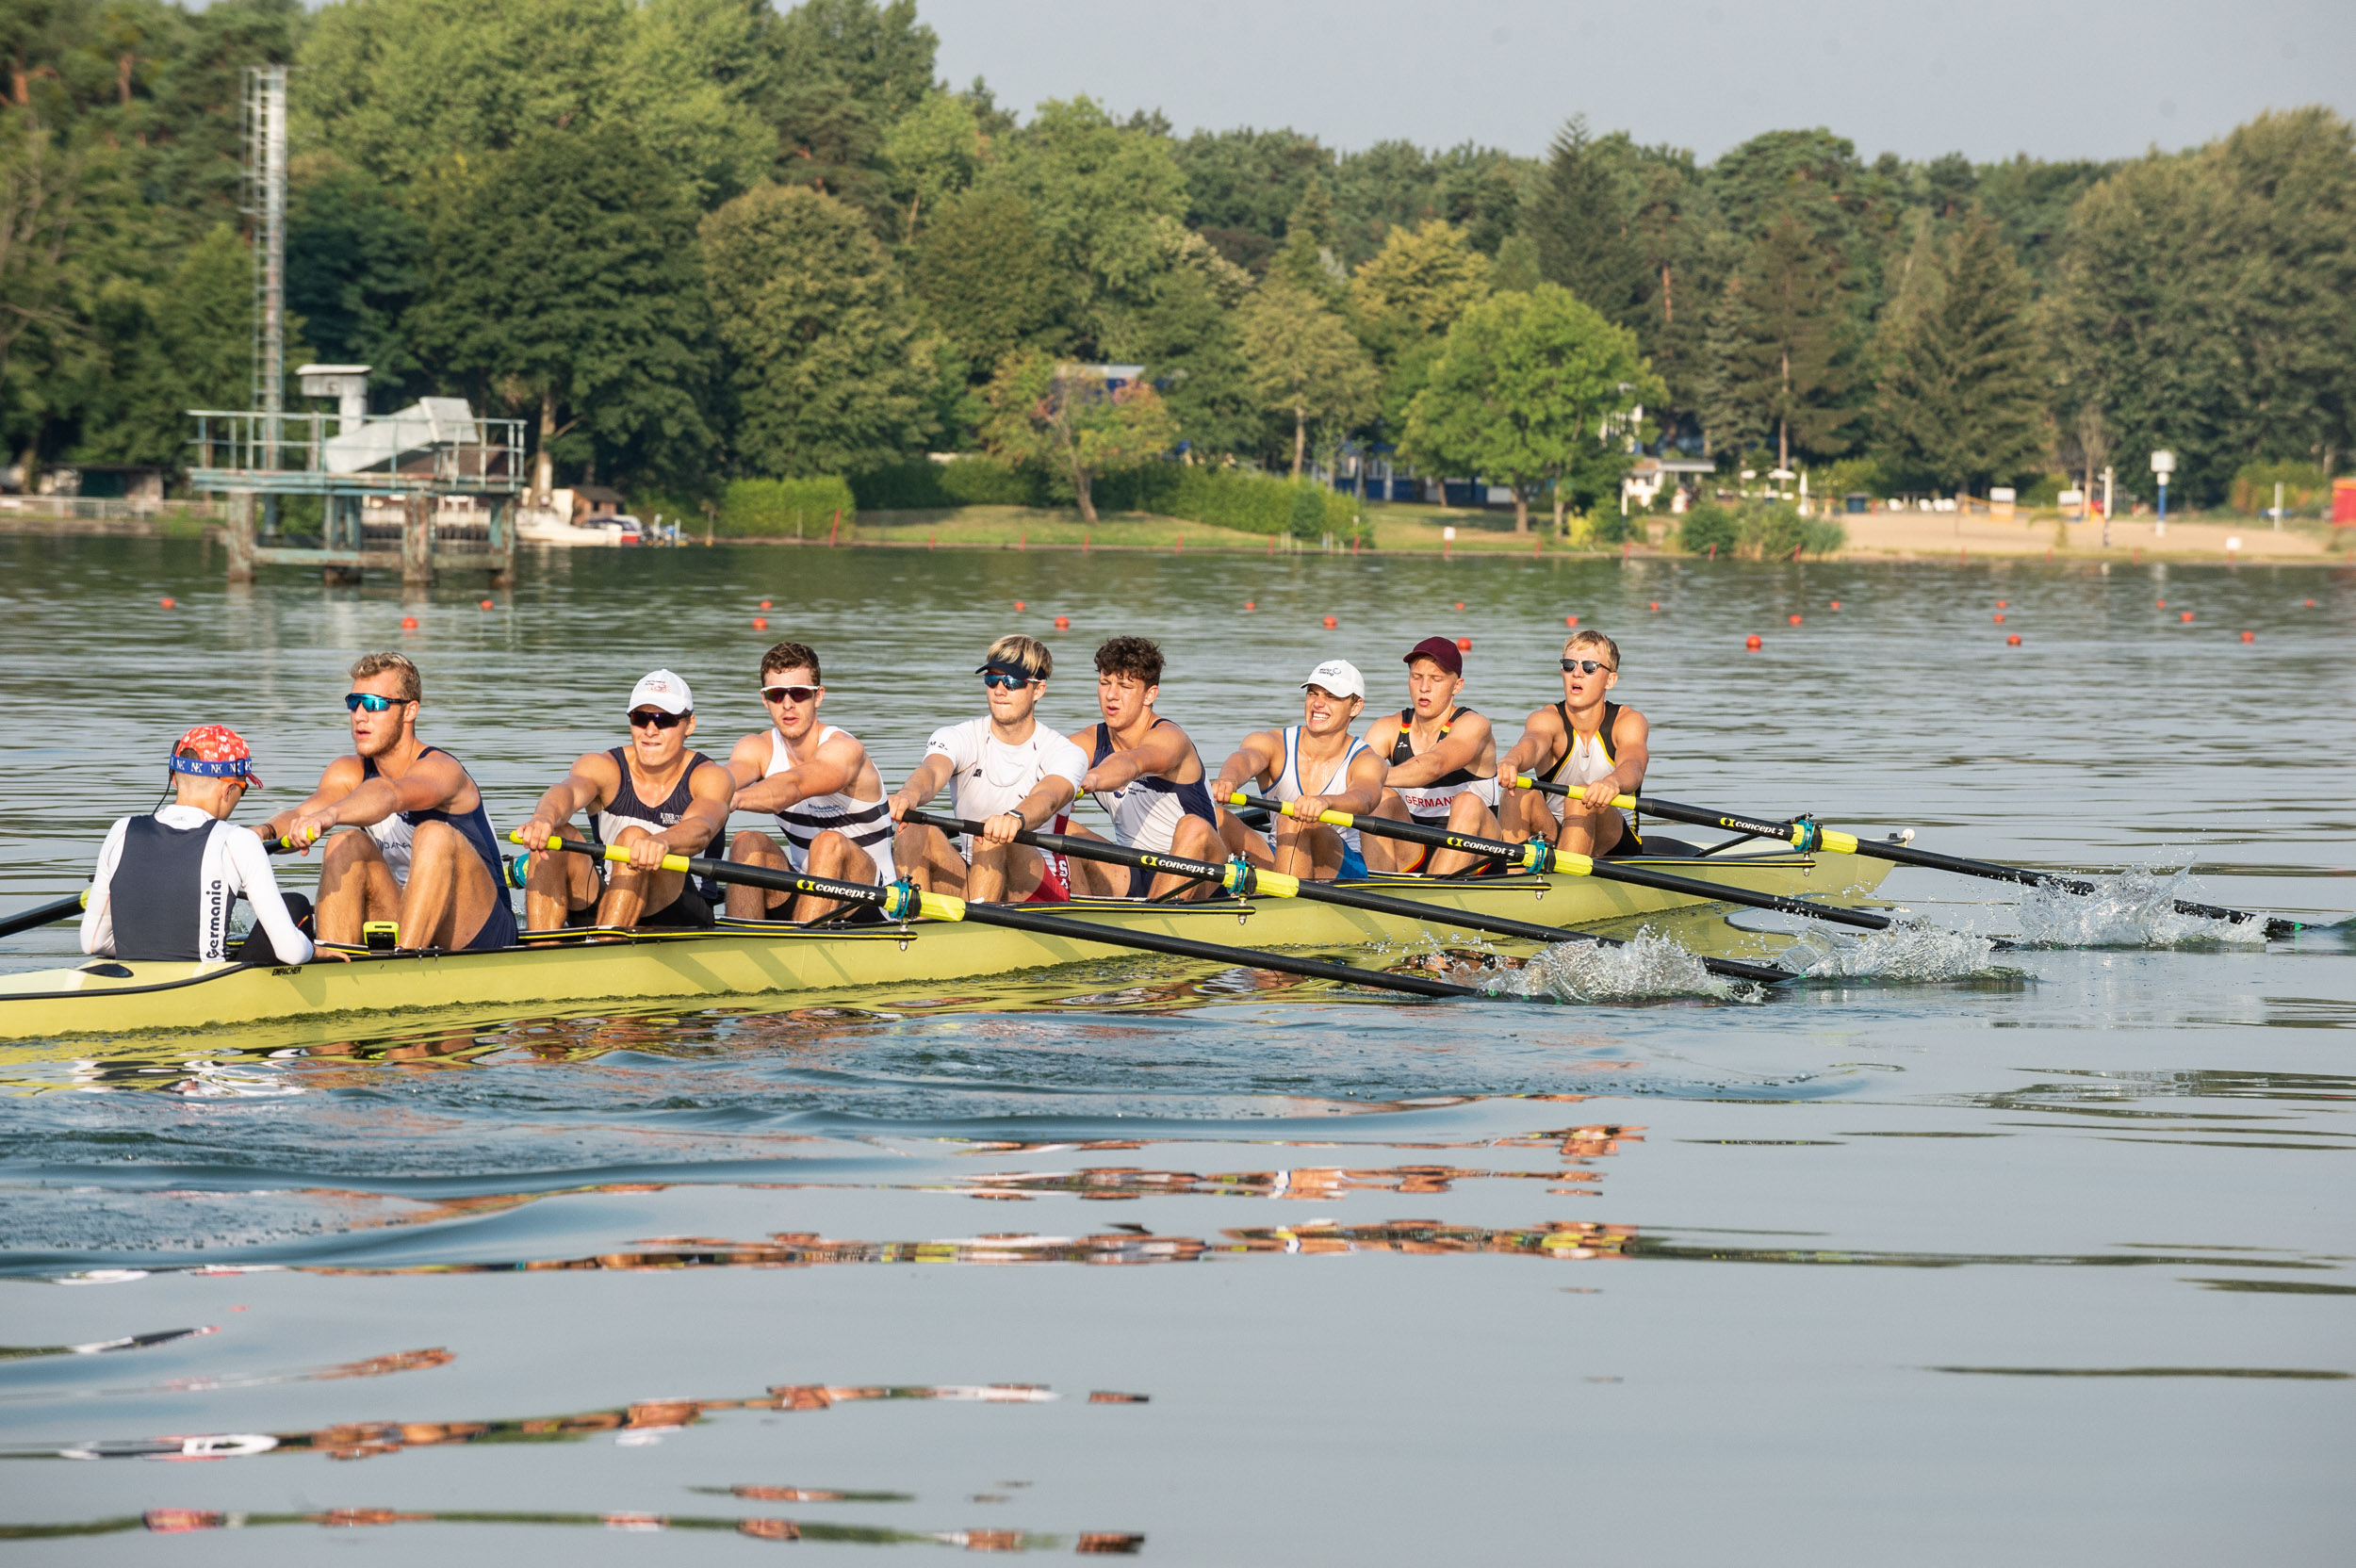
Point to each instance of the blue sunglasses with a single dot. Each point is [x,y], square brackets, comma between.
[354,701]
[1012,683]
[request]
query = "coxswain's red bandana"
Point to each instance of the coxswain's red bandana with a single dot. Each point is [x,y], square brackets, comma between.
[214,751]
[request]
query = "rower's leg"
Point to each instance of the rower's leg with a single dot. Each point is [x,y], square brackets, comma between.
[1240,840]
[1003,874]
[1193,840]
[1309,850]
[1586,832]
[1468,814]
[927,858]
[837,859]
[631,892]
[356,885]
[1525,814]
[1095,878]
[755,848]
[555,885]
[450,892]
[1389,854]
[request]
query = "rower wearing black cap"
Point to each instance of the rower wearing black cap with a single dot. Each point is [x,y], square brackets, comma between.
[1443,764]
[166,881]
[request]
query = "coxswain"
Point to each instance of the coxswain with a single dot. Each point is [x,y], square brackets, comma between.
[427,858]
[651,797]
[821,785]
[1588,743]
[1443,761]
[1318,766]
[166,880]
[1147,776]
[1008,772]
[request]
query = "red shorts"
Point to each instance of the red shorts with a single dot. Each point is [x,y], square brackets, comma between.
[1055,878]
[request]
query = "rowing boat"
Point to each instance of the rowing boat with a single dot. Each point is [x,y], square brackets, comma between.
[757,959]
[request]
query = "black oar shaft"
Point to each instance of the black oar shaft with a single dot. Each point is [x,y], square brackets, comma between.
[41,914]
[1715,892]
[1318,893]
[895,900]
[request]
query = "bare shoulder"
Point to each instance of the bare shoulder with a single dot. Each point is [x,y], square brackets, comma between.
[1543,721]
[712,783]
[341,777]
[1630,726]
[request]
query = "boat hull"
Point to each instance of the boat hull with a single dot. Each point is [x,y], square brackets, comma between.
[106,997]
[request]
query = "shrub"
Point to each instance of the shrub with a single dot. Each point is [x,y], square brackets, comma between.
[963,481]
[1706,526]
[2046,491]
[1222,498]
[773,508]
[2304,486]
[1759,531]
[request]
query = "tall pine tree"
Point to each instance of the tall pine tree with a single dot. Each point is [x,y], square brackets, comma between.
[1962,381]
[1778,347]
[1583,222]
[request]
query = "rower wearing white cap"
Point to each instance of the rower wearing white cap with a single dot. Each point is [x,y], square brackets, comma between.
[653,797]
[1318,766]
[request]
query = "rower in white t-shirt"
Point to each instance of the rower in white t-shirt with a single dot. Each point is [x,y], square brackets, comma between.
[1008,771]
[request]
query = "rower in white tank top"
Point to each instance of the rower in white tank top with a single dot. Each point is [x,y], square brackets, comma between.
[1288,784]
[865,822]
[1589,757]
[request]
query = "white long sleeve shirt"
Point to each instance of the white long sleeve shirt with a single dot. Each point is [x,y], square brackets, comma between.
[235,861]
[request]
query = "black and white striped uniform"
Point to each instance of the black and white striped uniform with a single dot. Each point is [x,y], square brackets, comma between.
[866,823]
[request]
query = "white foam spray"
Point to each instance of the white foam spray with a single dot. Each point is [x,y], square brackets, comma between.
[1648,967]
[2135,908]
[1906,953]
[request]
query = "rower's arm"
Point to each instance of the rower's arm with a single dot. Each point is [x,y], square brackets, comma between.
[1629,746]
[1166,746]
[1254,762]
[98,921]
[707,815]
[592,781]
[829,770]
[338,780]
[1541,742]
[925,783]
[1460,747]
[1051,795]
[1368,772]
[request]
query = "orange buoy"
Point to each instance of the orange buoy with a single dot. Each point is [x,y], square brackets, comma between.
[1570,620]
[1460,604]
[1331,623]
[2311,604]
[760,623]
[1063,623]
[2001,605]
[764,604]
[2185,616]
[1249,605]
[2249,636]
[1795,620]
[1751,642]
[408,623]
[488,604]
[2159,604]
[2000,618]
[1655,605]
[2013,640]
[1836,604]
[168,602]
[1464,645]
[1018,607]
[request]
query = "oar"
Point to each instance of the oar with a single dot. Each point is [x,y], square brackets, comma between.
[41,914]
[1539,855]
[900,900]
[1238,876]
[1805,835]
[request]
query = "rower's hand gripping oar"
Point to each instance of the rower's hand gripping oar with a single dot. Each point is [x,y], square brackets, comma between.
[1807,836]
[1241,878]
[1539,855]
[902,900]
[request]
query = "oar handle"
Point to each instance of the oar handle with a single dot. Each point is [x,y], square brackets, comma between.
[1227,874]
[41,914]
[1536,855]
[1544,786]
[897,900]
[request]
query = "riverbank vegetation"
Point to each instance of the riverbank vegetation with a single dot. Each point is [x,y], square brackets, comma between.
[701,245]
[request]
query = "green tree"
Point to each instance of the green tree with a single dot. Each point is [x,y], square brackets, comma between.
[1779,348]
[589,310]
[1404,299]
[1094,188]
[989,281]
[829,371]
[1583,222]
[1063,418]
[1532,388]
[1306,363]
[1962,395]
[847,70]
[1187,339]
[931,153]
[1243,185]
[356,263]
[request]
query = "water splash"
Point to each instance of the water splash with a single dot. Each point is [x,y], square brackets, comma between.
[1909,952]
[1648,967]
[2135,908]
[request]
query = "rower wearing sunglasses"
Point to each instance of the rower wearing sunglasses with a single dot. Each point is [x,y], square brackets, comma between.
[1008,772]
[653,797]
[821,785]
[427,858]
[165,881]
[1587,741]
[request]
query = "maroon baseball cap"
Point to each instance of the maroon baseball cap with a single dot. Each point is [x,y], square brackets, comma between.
[1440,651]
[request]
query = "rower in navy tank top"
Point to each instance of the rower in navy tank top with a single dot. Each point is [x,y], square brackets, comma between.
[1146,775]
[426,862]
[652,798]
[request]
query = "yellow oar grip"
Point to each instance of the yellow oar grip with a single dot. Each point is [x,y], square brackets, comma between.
[1626,803]
[1275,884]
[612,852]
[1576,865]
[940,906]
[1839,843]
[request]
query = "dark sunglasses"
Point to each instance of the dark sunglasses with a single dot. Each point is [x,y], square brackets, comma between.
[1012,683]
[354,701]
[656,719]
[788,694]
[1585,666]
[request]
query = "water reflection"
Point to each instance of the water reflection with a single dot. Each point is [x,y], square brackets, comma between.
[178,1520]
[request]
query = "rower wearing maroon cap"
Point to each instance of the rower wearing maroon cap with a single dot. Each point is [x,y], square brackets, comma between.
[1443,764]
[166,880]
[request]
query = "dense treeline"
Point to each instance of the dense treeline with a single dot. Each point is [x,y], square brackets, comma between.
[692,241]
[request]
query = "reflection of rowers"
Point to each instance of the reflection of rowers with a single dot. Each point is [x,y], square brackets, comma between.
[653,797]
[427,857]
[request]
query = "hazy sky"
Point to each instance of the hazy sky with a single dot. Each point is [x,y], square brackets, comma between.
[2053,78]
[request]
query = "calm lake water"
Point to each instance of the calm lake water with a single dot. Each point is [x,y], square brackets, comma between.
[2039,1265]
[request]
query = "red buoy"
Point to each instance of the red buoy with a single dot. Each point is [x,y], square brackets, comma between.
[1751,642]
[1018,607]
[2000,619]
[2013,640]
[1836,604]
[1331,623]
[1063,623]
[2311,604]
[488,604]
[2001,605]
[760,623]
[168,602]
[2249,636]
[764,604]
[1795,620]
[2159,604]
[408,623]
[1656,604]
[1464,645]
[1460,604]
[2185,616]
[1249,605]
[1570,620]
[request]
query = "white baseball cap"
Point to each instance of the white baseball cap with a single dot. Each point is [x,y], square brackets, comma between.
[1339,676]
[662,689]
